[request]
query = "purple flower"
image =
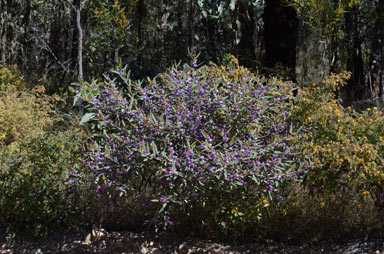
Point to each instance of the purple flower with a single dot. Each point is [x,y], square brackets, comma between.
[99,189]
[182,131]
[164,200]
[169,221]
[69,180]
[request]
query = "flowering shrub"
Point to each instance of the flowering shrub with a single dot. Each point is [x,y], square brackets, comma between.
[344,147]
[35,196]
[35,161]
[11,78]
[212,140]
[22,114]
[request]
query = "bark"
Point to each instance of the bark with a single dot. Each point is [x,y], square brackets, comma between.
[80,30]
[77,47]
[355,88]
[246,46]
[376,62]
[211,29]
[75,39]
[26,22]
[3,31]
[312,64]
[191,35]
[141,12]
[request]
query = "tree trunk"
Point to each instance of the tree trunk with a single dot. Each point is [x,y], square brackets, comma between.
[280,31]
[3,31]
[79,56]
[376,61]
[141,12]
[26,22]
[312,64]
[211,30]
[355,87]
[246,46]
[191,35]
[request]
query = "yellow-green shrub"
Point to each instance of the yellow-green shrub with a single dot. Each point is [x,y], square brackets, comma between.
[36,195]
[11,78]
[22,114]
[343,147]
[36,159]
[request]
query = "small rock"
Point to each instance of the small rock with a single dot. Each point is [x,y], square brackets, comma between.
[181,246]
[65,247]
[143,250]
[99,233]
[88,240]
[96,234]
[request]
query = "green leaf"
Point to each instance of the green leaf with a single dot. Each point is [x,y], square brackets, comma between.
[155,151]
[86,118]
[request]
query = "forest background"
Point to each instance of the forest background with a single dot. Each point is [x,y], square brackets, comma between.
[69,67]
[58,41]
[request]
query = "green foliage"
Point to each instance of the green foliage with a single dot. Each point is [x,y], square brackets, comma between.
[11,78]
[36,197]
[321,15]
[35,161]
[22,114]
[109,32]
[223,22]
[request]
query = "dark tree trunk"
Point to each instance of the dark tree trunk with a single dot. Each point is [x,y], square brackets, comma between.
[26,23]
[246,46]
[141,13]
[376,61]
[280,31]
[355,87]
[55,37]
[75,40]
[27,19]
[211,29]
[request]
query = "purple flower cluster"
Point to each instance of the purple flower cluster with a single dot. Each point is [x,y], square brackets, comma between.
[190,134]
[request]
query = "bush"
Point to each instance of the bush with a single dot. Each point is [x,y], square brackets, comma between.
[35,161]
[36,196]
[22,114]
[343,147]
[212,143]
[11,78]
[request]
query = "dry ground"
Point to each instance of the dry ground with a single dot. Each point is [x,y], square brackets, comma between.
[102,241]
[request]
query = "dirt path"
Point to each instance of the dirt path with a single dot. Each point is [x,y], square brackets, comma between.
[169,243]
